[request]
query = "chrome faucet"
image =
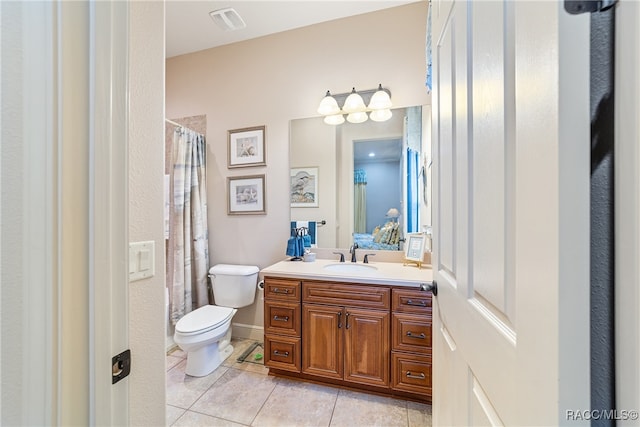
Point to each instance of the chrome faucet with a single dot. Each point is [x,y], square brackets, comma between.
[352,251]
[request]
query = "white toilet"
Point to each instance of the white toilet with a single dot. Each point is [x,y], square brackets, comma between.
[205,334]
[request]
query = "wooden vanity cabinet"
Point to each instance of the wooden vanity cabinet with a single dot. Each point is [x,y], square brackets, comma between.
[371,337]
[282,326]
[411,341]
[345,332]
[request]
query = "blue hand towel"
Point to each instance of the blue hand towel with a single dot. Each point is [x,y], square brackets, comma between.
[292,247]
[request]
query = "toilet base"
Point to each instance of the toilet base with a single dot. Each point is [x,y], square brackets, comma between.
[205,360]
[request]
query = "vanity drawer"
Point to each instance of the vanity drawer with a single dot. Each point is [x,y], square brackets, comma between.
[343,294]
[282,318]
[282,353]
[411,332]
[282,289]
[411,373]
[411,301]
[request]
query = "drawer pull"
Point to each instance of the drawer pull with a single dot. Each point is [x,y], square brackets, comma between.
[281,319]
[419,303]
[416,377]
[348,326]
[280,291]
[339,319]
[412,335]
[277,353]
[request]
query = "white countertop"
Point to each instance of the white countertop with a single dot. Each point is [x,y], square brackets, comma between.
[385,273]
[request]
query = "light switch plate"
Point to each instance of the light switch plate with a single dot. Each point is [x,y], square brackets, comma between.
[141,260]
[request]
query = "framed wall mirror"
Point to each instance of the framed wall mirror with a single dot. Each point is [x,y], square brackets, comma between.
[374,178]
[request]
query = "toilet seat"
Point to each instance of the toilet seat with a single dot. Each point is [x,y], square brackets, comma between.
[203,319]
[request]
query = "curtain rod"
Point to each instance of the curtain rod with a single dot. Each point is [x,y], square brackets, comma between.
[173,123]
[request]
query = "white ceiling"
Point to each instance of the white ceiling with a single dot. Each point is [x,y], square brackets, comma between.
[189,27]
[384,149]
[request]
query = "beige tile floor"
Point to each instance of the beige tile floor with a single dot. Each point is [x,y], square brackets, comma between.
[242,394]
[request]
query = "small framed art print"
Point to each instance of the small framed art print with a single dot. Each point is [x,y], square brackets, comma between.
[246,195]
[246,147]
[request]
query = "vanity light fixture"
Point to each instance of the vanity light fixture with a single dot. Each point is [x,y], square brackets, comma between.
[328,106]
[380,115]
[354,105]
[334,119]
[357,117]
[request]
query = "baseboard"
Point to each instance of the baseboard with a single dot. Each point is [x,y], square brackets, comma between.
[250,332]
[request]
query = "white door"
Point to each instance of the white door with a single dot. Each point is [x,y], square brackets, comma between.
[63,127]
[511,203]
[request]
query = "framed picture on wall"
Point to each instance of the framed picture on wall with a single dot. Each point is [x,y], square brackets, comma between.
[246,195]
[246,147]
[304,187]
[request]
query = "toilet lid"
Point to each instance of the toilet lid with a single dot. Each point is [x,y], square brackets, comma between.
[205,317]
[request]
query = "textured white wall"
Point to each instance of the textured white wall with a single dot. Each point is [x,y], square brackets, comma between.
[272,80]
[146,207]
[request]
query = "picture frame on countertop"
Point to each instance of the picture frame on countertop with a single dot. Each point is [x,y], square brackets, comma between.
[414,249]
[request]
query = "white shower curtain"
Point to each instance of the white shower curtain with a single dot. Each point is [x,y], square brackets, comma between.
[188,234]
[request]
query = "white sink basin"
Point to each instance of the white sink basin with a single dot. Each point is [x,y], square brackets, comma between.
[350,268]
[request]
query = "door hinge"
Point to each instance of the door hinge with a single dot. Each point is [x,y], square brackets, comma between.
[576,7]
[120,366]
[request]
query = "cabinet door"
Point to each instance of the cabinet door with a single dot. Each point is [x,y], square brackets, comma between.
[322,328]
[366,346]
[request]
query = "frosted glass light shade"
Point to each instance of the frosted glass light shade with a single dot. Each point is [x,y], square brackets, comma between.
[353,103]
[334,119]
[328,106]
[380,115]
[380,100]
[357,117]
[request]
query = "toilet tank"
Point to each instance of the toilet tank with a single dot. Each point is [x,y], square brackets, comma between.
[234,285]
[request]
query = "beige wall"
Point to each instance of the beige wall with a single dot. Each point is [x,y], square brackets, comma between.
[271,80]
[146,211]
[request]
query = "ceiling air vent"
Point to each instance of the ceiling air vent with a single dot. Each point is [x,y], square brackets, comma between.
[227,19]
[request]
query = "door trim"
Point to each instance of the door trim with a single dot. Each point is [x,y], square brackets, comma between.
[109,314]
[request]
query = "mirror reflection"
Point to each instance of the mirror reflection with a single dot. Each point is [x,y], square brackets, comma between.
[365,183]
